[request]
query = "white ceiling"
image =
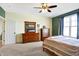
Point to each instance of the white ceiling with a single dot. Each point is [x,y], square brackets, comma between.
[25,8]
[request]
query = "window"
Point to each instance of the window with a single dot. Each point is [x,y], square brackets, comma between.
[70,26]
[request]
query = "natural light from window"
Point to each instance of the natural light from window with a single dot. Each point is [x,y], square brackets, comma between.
[70,26]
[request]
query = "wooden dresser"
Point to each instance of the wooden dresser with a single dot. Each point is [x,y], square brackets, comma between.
[45,33]
[30,37]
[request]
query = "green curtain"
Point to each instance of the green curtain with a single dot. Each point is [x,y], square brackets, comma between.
[55,26]
[2,12]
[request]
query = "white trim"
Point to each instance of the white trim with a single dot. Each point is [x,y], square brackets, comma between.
[2,17]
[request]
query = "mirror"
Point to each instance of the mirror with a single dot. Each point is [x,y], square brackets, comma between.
[30,26]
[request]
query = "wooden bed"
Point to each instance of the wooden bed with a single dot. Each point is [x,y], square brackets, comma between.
[61,46]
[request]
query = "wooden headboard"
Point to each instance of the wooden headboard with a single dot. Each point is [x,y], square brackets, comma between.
[30,37]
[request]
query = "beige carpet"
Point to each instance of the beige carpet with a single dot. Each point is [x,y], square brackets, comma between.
[28,49]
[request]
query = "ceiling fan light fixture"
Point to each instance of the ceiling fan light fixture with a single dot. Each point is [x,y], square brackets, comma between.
[45,8]
[44,4]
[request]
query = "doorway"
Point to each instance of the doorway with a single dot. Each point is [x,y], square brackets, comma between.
[1,30]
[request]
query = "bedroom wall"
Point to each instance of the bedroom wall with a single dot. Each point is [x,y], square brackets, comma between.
[19,19]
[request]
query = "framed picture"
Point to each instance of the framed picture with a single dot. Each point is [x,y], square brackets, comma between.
[30,26]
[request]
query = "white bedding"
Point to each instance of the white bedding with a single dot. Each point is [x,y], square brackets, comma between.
[28,49]
[67,40]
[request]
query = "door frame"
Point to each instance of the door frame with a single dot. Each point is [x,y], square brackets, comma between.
[3,31]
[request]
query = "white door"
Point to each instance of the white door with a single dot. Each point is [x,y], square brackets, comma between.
[10,32]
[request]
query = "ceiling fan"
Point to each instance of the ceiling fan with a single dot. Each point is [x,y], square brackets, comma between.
[44,6]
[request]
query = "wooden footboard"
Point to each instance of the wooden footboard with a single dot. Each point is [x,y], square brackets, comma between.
[53,51]
[49,52]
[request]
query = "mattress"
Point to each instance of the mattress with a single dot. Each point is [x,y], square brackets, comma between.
[62,45]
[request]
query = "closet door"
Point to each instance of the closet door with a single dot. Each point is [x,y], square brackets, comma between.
[10,32]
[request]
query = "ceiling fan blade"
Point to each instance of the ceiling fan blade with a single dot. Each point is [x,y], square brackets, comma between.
[53,6]
[40,11]
[38,7]
[48,10]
